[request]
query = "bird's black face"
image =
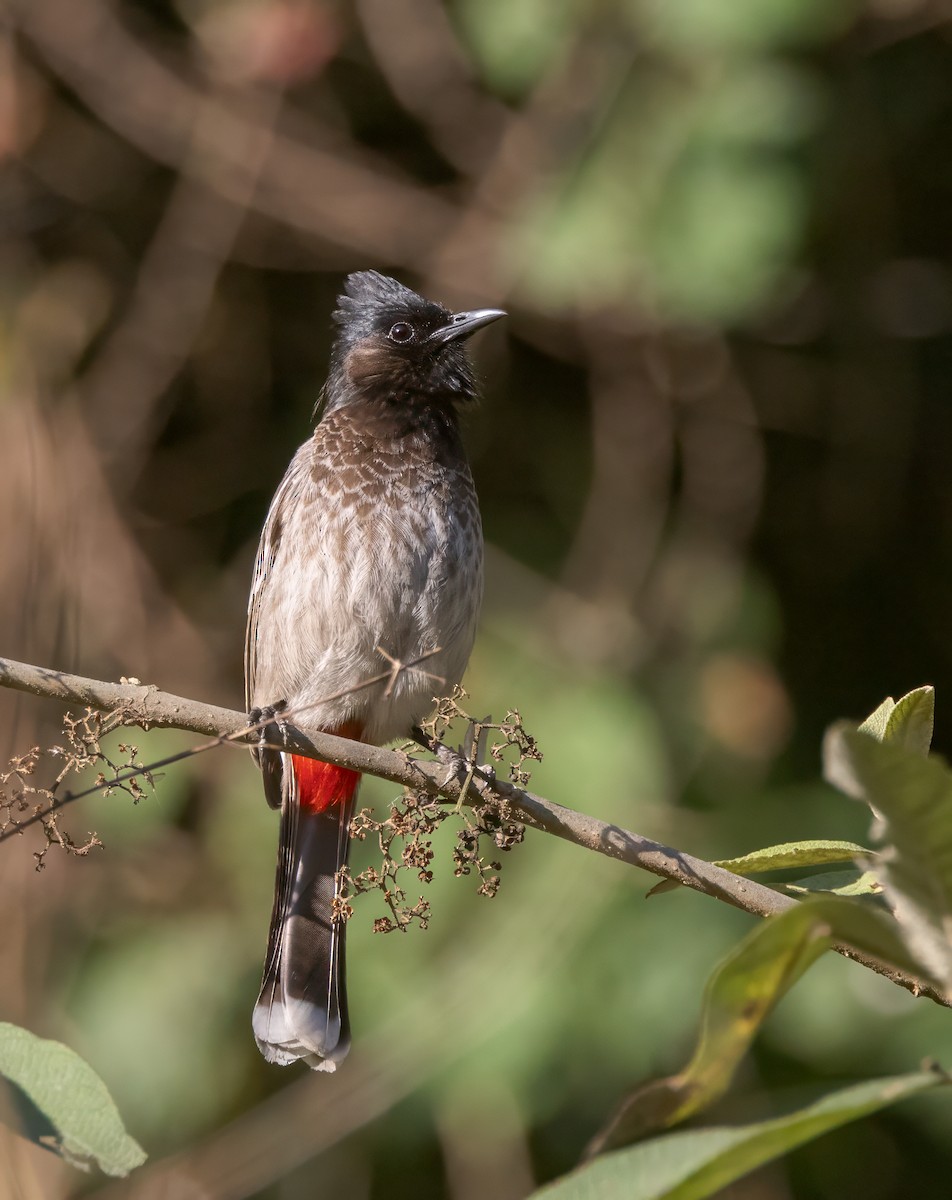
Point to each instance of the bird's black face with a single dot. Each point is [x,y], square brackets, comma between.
[394,345]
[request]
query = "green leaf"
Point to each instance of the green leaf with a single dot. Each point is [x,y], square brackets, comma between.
[911,797]
[695,215]
[875,724]
[815,853]
[853,882]
[698,1163]
[709,27]
[515,41]
[738,996]
[78,1119]
[866,928]
[912,720]
[737,999]
[738,218]
[909,722]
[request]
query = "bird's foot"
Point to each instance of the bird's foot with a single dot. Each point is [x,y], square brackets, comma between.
[271,738]
[269,723]
[462,765]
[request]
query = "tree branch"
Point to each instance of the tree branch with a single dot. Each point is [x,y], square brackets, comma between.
[147,707]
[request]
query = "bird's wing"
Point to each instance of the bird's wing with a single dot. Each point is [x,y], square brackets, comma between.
[285,501]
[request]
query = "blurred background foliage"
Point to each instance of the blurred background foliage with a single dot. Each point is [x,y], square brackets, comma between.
[713,465]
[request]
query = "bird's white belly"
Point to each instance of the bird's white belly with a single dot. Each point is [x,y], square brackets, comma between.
[374,625]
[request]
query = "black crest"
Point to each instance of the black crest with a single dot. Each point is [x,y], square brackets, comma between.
[370,299]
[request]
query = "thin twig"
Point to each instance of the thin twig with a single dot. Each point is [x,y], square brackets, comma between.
[148,707]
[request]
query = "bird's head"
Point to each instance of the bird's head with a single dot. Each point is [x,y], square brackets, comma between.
[394,346]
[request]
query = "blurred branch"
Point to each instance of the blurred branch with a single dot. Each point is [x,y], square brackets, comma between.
[550,125]
[342,198]
[147,707]
[431,77]
[633,450]
[173,293]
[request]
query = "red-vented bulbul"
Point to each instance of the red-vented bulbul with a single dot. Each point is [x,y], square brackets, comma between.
[371,552]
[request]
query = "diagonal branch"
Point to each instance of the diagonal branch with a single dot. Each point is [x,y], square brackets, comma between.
[147,707]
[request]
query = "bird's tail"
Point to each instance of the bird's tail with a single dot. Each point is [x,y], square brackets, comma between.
[302,1009]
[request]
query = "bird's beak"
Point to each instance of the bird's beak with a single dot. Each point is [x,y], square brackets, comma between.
[462,325]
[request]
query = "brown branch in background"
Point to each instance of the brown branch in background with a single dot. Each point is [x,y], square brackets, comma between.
[339,196]
[545,130]
[432,78]
[148,707]
[609,561]
[174,289]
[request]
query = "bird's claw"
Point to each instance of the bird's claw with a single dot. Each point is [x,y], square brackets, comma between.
[462,765]
[457,767]
[268,720]
[463,769]
[487,773]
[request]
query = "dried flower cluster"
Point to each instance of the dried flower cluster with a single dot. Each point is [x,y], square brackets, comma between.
[405,836]
[82,751]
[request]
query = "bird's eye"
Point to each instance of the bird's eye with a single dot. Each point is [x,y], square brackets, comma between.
[401,332]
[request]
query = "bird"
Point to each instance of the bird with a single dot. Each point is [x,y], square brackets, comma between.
[366,592]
